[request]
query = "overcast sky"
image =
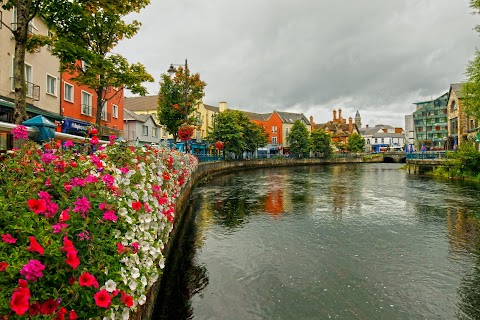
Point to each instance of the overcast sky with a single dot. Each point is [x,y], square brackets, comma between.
[311,56]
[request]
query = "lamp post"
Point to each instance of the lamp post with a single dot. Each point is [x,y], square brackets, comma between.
[172,70]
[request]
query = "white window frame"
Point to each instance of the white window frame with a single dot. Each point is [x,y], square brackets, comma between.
[84,66]
[50,34]
[90,108]
[154,132]
[65,84]
[29,79]
[54,93]
[104,110]
[144,130]
[115,111]
[274,140]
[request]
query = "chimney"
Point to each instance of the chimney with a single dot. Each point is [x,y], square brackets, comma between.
[339,114]
[311,120]
[334,115]
[222,106]
[350,125]
[366,126]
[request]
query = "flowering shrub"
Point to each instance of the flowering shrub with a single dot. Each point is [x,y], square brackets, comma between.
[185,132]
[82,235]
[219,145]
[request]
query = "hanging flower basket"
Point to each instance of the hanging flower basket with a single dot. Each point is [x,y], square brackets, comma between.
[219,145]
[185,132]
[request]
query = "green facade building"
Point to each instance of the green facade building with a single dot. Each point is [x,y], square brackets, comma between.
[430,122]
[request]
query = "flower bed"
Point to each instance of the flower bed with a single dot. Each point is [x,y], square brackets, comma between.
[82,235]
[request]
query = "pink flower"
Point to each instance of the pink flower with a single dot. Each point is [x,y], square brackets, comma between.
[94,140]
[57,228]
[109,215]
[32,271]
[7,238]
[35,246]
[102,299]
[120,248]
[135,247]
[112,138]
[91,179]
[47,157]
[64,216]
[84,235]
[77,182]
[68,187]
[48,183]
[20,133]
[69,143]
[82,205]
[124,170]
[108,179]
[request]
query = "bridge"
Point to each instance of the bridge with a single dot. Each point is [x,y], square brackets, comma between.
[394,157]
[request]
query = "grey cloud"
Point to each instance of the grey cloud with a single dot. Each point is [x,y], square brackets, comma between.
[310,56]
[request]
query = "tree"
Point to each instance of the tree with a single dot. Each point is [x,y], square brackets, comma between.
[340,146]
[355,143]
[86,32]
[298,139]
[471,87]
[256,136]
[174,93]
[228,129]
[25,11]
[321,142]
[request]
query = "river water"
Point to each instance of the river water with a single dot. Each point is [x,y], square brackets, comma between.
[366,241]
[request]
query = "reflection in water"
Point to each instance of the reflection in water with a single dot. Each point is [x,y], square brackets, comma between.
[344,242]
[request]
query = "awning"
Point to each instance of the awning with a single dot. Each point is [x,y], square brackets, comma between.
[32,109]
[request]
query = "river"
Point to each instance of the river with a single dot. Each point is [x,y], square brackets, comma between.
[365,241]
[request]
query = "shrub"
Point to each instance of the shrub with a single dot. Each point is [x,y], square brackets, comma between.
[82,235]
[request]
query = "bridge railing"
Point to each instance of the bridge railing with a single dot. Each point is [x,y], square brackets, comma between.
[427,155]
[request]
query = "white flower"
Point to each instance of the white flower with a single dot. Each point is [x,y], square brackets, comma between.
[135,273]
[142,299]
[110,285]
[132,285]
[123,211]
[126,314]
[161,263]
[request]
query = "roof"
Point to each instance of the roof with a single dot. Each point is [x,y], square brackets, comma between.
[211,108]
[387,134]
[457,88]
[357,115]
[131,116]
[368,131]
[141,103]
[257,116]
[289,117]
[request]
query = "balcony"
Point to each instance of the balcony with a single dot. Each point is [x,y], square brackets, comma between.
[33,90]
[87,110]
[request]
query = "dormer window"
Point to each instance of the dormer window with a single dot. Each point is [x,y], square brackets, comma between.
[453,106]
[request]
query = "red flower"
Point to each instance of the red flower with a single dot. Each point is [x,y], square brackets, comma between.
[35,246]
[87,280]
[49,307]
[61,314]
[3,266]
[128,300]
[120,248]
[136,205]
[34,309]
[73,315]
[102,299]
[68,246]
[37,205]
[72,260]
[72,281]
[94,131]
[20,301]
[22,283]
[219,145]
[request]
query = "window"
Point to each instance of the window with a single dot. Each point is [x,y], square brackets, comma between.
[67,92]
[28,80]
[368,141]
[145,130]
[154,132]
[454,126]
[51,85]
[50,35]
[453,106]
[115,111]
[86,104]
[164,133]
[376,140]
[84,66]
[383,141]
[287,131]
[274,129]
[274,140]
[104,110]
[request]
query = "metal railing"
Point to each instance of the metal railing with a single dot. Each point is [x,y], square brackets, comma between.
[427,155]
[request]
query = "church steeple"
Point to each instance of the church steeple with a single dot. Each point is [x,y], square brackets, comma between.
[358,120]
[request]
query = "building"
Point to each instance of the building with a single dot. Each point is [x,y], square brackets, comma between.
[383,138]
[42,77]
[278,125]
[410,131]
[338,128]
[79,107]
[461,127]
[141,129]
[430,123]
